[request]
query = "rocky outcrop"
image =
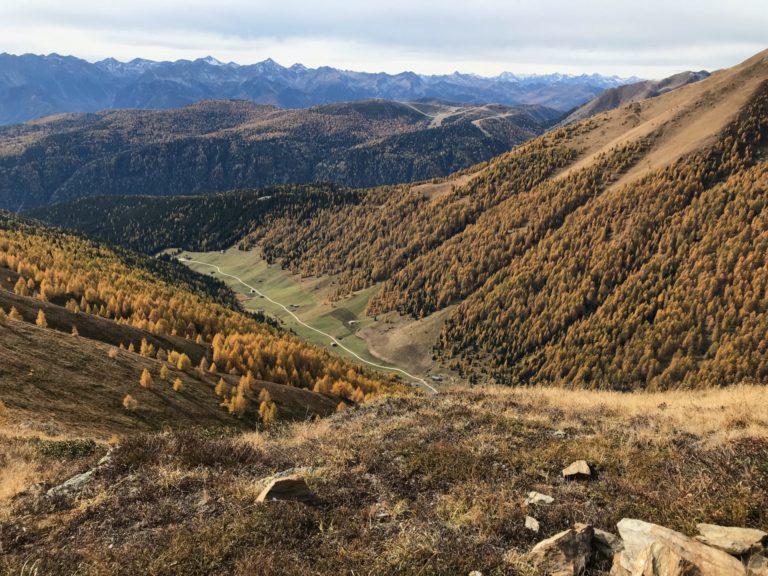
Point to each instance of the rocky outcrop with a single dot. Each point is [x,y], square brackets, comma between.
[646,549]
[640,557]
[565,554]
[607,544]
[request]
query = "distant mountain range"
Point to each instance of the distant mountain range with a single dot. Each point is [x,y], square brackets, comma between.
[635,92]
[32,86]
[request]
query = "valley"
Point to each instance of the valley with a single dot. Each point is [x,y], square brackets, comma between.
[304,306]
[378,337]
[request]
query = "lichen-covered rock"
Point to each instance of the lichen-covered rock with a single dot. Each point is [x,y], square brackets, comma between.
[607,544]
[532,524]
[538,499]
[757,565]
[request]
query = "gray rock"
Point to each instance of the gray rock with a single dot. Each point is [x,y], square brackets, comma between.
[638,537]
[578,470]
[72,485]
[286,488]
[757,565]
[565,554]
[532,524]
[736,541]
[538,499]
[607,544]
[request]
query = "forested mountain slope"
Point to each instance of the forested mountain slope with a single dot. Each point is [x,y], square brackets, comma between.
[226,145]
[103,317]
[624,251]
[150,224]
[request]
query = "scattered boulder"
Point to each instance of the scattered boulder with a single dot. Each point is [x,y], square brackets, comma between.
[578,470]
[736,541]
[475,573]
[532,524]
[287,488]
[638,536]
[73,484]
[538,499]
[757,565]
[607,544]
[565,554]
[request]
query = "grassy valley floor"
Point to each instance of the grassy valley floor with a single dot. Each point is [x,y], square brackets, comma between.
[387,339]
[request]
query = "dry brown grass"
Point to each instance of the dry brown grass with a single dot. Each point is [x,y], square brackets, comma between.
[715,416]
[407,485]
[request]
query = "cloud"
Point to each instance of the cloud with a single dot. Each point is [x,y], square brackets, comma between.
[483,36]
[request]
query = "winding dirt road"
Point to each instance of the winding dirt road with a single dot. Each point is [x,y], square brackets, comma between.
[421,381]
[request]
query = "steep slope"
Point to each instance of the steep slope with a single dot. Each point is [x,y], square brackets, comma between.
[583,257]
[541,242]
[621,95]
[104,316]
[216,146]
[33,86]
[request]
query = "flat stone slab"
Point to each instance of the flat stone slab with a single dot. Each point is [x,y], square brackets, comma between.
[292,488]
[578,470]
[538,499]
[638,536]
[736,541]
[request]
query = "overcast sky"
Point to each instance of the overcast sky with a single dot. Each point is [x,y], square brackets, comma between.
[648,38]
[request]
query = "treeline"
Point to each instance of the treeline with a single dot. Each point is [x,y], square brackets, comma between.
[89,278]
[207,222]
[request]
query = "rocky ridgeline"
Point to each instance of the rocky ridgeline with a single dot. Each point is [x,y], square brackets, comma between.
[645,549]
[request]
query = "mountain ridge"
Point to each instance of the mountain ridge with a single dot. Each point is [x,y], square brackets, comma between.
[33,86]
[222,145]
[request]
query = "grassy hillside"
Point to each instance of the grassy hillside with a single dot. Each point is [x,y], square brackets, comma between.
[216,146]
[415,485]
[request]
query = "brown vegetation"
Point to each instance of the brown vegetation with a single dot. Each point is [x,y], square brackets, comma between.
[407,485]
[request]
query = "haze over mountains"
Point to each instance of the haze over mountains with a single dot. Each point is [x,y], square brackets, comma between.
[32,86]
